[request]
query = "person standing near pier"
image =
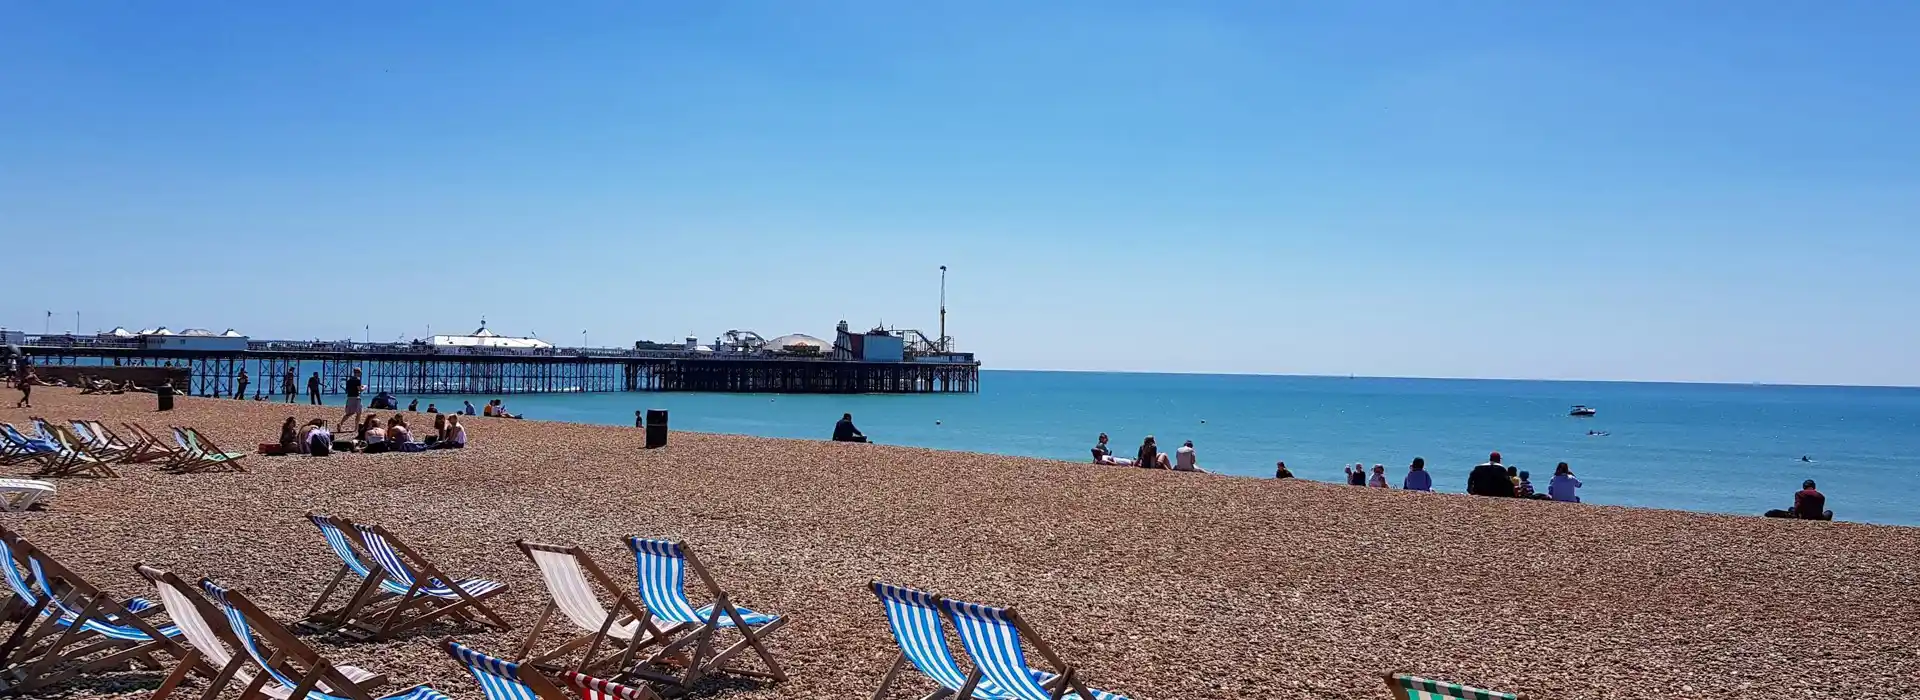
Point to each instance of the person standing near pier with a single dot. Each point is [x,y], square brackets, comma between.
[240,385]
[289,385]
[353,396]
[313,389]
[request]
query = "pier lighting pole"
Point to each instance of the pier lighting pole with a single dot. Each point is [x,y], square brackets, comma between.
[583,338]
[943,308]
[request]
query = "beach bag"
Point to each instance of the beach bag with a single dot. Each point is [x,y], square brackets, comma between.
[320,446]
[272,448]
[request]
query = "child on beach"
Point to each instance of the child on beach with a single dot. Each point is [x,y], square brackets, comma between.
[1525,489]
[1357,475]
[1379,479]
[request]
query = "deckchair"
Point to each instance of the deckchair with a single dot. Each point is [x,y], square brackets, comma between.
[424,586]
[20,494]
[500,679]
[138,450]
[374,587]
[53,641]
[21,449]
[295,668]
[993,639]
[914,618]
[572,580]
[74,459]
[204,455]
[210,646]
[1408,687]
[166,454]
[662,566]
[100,446]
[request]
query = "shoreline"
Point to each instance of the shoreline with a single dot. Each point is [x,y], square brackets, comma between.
[1156,585]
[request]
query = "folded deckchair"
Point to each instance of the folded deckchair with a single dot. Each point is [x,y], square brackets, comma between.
[20,494]
[1406,687]
[662,566]
[573,580]
[202,454]
[422,585]
[293,669]
[68,627]
[914,618]
[210,645]
[74,458]
[138,450]
[500,679]
[993,639]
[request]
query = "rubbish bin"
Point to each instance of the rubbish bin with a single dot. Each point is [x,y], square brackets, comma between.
[164,393]
[656,428]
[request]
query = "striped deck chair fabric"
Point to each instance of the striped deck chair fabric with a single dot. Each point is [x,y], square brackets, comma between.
[241,624]
[375,587]
[100,445]
[419,580]
[993,638]
[213,645]
[52,642]
[662,566]
[914,618]
[110,625]
[591,688]
[137,450]
[1409,687]
[208,454]
[573,583]
[74,457]
[22,449]
[500,679]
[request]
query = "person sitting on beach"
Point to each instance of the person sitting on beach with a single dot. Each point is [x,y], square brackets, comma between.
[1563,487]
[413,405]
[1280,470]
[1101,451]
[469,409]
[1490,479]
[316,439]
[397,431]
[290,436]
[366,423]
[1379,480]
[1513,475]
[453,437]
[843,431]
[1808,504]
[440,426]
[639,421]
[1113,461]
[1357,475]
[1525,489]
[373,437]
[1417,477]
[432,408]
[1148,456]
[1184,459]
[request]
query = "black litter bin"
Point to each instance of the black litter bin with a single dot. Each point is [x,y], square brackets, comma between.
[656,428]
[164,393]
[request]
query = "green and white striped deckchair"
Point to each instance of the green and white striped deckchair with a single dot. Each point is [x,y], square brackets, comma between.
[1406,687]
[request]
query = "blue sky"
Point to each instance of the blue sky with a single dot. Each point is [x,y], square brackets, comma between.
[1711,191]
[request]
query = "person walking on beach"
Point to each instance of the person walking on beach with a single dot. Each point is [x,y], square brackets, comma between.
[25,385]
[1148,456]
[1379,480]
[844,431]
[1280,470]
[353,396]
[1417,477]
[289,386]
[240,385]
[1564,487]
[313,389]
[1490,479]
[1101,451]
[1357,475]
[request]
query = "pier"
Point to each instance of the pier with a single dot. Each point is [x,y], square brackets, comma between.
[425,368]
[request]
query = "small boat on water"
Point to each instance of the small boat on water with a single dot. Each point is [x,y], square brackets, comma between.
[1582,411]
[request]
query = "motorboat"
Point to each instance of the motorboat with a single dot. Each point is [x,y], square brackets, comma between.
[1582,411]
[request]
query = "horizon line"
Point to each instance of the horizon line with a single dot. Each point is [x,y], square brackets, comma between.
[1697,382]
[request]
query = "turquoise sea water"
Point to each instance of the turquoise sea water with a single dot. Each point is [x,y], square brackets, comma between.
[1703,447]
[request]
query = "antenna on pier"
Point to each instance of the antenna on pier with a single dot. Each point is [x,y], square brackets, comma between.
[943,308]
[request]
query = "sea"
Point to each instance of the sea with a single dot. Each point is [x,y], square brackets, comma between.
[1716,448]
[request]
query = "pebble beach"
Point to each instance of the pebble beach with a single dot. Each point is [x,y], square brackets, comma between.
[1155,584]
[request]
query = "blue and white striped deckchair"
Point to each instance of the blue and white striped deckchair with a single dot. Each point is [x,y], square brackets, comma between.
[74,458]
[300,672]
[1409,687]
[19,448]
[574,583]
[500,679]
[421,584]
[914,617]
[662,566]
[374,587]
[992,637]
[53,641]
[210,645]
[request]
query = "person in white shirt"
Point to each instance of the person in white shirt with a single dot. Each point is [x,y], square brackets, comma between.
[454,437]
[1183,459]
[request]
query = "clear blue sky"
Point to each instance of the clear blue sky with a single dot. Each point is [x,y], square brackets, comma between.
[1718,191]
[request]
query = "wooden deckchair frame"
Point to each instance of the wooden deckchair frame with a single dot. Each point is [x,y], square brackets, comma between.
[701,635]
[17,454]
[1066,680]
[369,595]
[79,460]
[289,656]
[138,449]
[205,461]
[216,622]
[373,625]
[32,662]
[168,455]
[625,601]
[103,442]
[1400,692]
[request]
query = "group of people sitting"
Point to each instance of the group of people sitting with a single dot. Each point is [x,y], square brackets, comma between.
[371,436]
[1149,456]
[98,385]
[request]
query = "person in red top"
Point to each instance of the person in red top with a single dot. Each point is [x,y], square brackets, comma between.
[1809,504]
